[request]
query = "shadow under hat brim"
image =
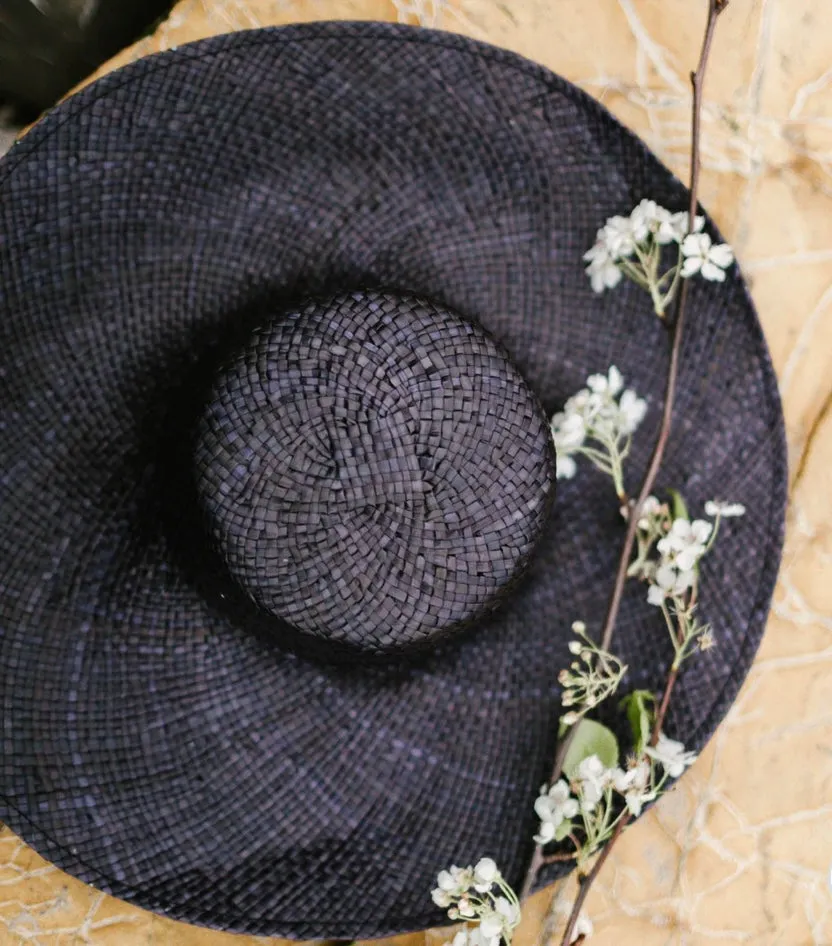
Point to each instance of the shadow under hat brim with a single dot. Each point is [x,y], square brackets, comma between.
[181,761]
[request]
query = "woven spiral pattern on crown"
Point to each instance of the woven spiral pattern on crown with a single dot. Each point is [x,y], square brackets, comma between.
[374,469]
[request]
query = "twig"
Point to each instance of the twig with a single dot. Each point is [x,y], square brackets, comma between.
[715,7]
[660,715]
[697,77]
[586,882]
[676,325]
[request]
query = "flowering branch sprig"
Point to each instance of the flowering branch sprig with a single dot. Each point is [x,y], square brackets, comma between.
[598,423]
[633,246]
[675,323]
[676,327]
[592,805]
[592,677]
[590,808]
[670,548]
[480,896]
[600,796]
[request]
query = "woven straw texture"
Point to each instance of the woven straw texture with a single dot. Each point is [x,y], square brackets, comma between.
[374,471]
[181,759]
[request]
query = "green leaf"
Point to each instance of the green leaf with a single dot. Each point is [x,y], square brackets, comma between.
[638,705]
[562,830]
[590,738]
[678,506]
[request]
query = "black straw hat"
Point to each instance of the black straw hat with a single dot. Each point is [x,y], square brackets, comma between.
[284,582]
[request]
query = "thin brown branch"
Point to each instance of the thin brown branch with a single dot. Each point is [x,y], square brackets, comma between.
[662,711]
[676,325]
[697,79]
[672,677]
[650,478]
[585,883]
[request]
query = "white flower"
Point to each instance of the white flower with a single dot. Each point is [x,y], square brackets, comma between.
[583,927]
[602,269]
[619,236]
[485,874]
[631,411]
[491,926]
[476,938]
[498,921]
[668,582]
[545,834]
[685,543]
[674,227]
[472,936]
[466,908]
[566,468]
[568,430]
[442,898]
[726,510]
[593,778]
[632,784]
[610,383]
[603,273]
[649,508]
[647,218]
[599,251]
[655,595]
[446,881]
[671,755]
[509,911]
[456,880]
[553,807]
[701,256]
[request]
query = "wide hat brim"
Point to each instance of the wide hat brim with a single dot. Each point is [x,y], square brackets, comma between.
[154,748]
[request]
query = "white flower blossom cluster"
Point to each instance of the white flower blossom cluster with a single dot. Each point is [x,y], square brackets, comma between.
[591,678]
[555,806]
[680,551]
[680,545]
[632,246]
[671,755]
[620,236]
[598,422]
[670,548]
[593,784]
[479,895]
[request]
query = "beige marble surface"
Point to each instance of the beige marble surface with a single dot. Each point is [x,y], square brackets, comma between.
[741,852]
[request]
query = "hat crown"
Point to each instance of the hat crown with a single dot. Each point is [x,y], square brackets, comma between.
[374,470]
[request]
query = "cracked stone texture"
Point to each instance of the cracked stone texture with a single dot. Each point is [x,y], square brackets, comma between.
[741,851]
